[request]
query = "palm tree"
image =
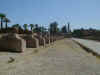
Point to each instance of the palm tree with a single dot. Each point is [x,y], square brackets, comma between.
[25,26]
[37,28]
[64,29]
[54,28]
[16,26]
[2,17]
[6,20]
[32,26]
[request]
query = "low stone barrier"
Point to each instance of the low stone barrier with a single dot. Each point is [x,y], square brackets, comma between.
[89,45]
[31,41]
[12,42]
[59,37]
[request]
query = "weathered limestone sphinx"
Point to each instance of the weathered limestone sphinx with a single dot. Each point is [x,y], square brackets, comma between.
[47,39]
[52,39]
[12,42]
[31,41]
[41,40]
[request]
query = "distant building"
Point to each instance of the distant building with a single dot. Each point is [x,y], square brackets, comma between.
[69,29]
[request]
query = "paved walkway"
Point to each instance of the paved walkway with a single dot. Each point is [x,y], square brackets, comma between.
[93,45]
[64,58]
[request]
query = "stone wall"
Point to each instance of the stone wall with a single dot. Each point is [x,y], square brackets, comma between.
[12,42]
[59,37]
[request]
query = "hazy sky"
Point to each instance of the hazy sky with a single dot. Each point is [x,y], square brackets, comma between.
[81,13]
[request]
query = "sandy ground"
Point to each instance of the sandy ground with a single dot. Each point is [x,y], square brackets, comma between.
[63,58]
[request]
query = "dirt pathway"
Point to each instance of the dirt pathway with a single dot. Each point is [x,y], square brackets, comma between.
[64,58]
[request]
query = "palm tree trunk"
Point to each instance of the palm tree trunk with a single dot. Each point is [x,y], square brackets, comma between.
[31,28]
[1,23]
[6,25]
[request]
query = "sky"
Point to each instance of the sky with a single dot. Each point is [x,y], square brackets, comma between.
[80,13]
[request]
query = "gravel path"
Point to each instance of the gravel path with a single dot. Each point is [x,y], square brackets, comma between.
[64,58]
